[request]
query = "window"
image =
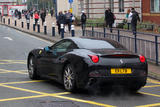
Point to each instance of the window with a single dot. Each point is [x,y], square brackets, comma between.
[63,46]
[95,44]
[111,5]
[121,5]
[155,6]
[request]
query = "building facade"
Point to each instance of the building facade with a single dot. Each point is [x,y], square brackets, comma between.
[9,6]
[151,11]
[96,8]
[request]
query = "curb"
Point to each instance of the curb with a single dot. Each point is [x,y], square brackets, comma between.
[154,75]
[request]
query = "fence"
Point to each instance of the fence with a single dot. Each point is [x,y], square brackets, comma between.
[141,26]
[141,43]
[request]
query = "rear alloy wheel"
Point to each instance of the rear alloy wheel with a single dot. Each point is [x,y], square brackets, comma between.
[69,78]
[32,69]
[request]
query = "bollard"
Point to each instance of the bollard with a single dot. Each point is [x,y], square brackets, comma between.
[118,35]
[28,24]
[38,27]
[156,50]
[104,30]
[92,30]
[45,28]
[22,24]
[15,22]
[4,20]
[34,26]
[83,30]
[9,21]
[72,30]
[62,30]
[53,29]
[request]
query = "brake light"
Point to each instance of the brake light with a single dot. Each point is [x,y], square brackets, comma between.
[142,58]
[94,58]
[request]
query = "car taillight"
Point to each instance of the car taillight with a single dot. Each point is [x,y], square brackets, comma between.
[142,58]
[94,58]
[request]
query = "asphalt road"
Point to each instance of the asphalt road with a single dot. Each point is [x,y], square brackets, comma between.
[17,90]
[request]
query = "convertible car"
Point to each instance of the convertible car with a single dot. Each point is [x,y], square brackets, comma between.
[78,62]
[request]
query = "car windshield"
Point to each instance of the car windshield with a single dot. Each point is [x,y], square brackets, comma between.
[98,44]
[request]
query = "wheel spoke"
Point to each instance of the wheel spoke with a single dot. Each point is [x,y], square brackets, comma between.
[68,78]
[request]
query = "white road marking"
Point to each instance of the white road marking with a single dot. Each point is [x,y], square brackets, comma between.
[49,42]
[8,38]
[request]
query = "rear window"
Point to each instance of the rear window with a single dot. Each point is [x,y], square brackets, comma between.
[95,44]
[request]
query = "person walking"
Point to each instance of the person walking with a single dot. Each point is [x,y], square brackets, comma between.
[43,16]
[36,17]
[27,16]
[68,20]
[51,12]
[109,18]
[134,18]
[60,20]
[106,17]
[83,20]
[128,18]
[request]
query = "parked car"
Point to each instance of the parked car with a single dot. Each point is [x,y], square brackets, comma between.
[78,62]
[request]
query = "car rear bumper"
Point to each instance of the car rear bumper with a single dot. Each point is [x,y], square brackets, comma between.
[118,80]
[109,81]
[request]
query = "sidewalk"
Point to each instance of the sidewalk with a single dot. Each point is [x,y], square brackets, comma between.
[153,70]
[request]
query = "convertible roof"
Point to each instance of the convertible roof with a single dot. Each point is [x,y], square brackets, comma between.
[79,41]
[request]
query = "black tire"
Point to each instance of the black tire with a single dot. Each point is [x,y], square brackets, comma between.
[69,78]
[32,71]
[135,88]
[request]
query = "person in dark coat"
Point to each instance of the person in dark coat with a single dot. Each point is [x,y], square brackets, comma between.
[135,17]
[51,12]
[83,20]
[106,17]
[109,18]
[68,17]
[43,16]
[60,20]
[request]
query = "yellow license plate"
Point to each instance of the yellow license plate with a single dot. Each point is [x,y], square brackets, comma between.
[121,71]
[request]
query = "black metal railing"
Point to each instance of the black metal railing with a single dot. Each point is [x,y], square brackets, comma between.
[142,43]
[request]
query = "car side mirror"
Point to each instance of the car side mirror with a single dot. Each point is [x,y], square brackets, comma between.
[47,49]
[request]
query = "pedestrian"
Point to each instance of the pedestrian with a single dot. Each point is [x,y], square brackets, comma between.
[128,18]
[109,18]
[83,20]
[135,17]
[65,21]
[12,13]
[19,14]
[43,16]
[51,12]
[36,17]
[106,17]
[31,13]
[27,15]
[68,20]
[60,20]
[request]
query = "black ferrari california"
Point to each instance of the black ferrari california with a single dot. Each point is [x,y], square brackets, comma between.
[78,62]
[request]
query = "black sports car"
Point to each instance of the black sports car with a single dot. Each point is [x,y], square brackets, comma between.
[78,62]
